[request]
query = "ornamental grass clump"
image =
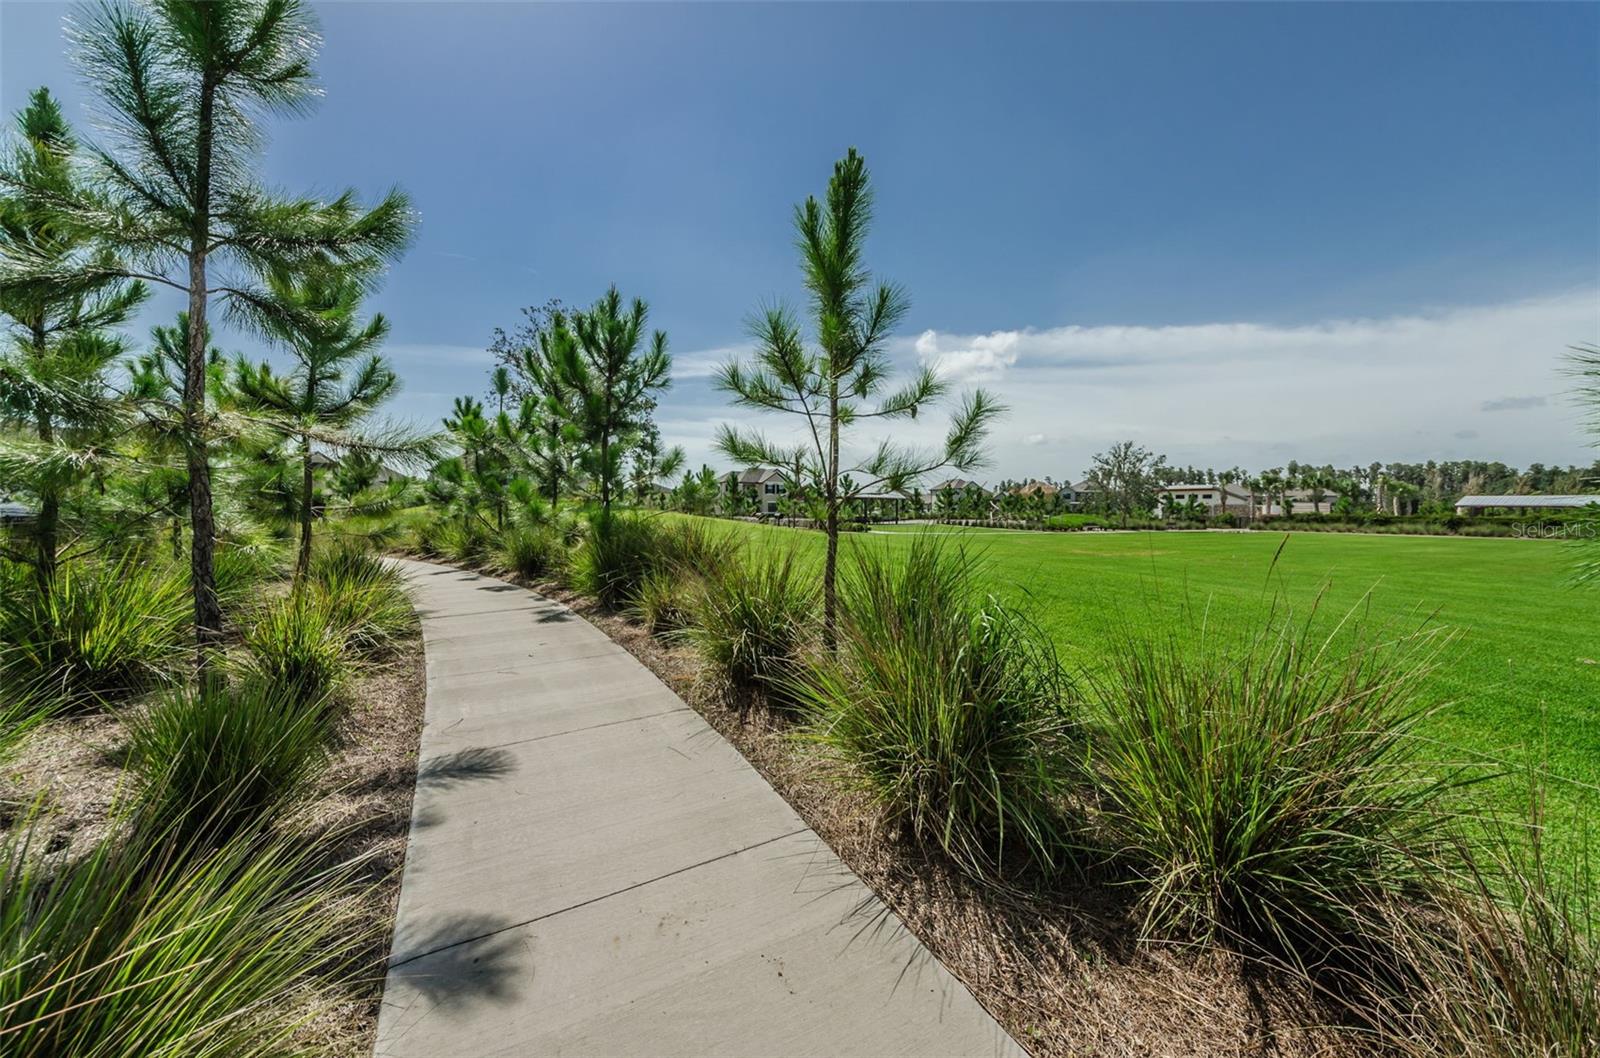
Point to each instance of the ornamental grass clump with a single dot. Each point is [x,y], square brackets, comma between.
[364,596]
[299,643]
[216,761]
[532,552]
[104,631]
[1268,788]
[1502,960]
[951,710]
[149,946]
[617,553]
[754,620]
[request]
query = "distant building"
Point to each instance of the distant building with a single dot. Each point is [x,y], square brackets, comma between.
[764,484]
[1037,488]
[1079,494]
[1478,504]
[1216,499]
[1299,501]
[959,485]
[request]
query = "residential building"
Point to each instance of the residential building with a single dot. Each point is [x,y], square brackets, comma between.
[959,485]
[1298,501]
[1216,499]
[1037,488]
[1080,494]
[765,485]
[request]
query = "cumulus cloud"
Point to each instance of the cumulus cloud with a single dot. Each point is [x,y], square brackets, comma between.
[973,358]
[1347,390]
[1412,387]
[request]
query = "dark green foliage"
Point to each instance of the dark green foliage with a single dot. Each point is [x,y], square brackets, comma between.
[950,709]
[616,555]
[216,762]
[299,643]
[147,947]
[754,620]
[667,601]
[104,631]
[363,596]
[1269,787]
[531,552]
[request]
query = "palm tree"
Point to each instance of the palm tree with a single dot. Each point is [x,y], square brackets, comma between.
[56,333]
[183,83]
[829,388]
[336,385]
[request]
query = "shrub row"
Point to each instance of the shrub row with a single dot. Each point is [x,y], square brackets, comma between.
[1265,791]
[202,922]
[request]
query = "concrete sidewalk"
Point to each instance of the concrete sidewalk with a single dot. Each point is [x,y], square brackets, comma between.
[593,870]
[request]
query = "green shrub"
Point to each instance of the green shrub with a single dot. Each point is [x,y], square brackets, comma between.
[1501,961]
[949,709]
[143,947]
[616,555]
[105,632]
[298,644]
[461,541]
[363,596]
[753,621]
[1265,790]
[666,601]
[242,570]
[214,762]
[531,552]
[695,547]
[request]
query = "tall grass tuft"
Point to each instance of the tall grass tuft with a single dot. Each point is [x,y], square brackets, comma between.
[1267,789]
[362,595]
[616,555]
[145,947]
[299,643]
[214,762]
[531,552]
[754,620]
[666,601]
[242,570]
[950,709]
[1502,960]
[104,632]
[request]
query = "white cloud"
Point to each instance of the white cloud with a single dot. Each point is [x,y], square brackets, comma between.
[703,363]
[974,358]
[1346,391]
[1406,387]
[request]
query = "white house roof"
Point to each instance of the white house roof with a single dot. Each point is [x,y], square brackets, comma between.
[1529,502]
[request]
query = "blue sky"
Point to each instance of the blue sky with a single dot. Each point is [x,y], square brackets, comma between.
[1243,234]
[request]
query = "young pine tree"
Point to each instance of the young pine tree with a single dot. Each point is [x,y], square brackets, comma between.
[57,346]
[839,382]
[174,197]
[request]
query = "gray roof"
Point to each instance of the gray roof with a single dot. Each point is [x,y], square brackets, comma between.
[1532,502]
[958,485]
[755,476]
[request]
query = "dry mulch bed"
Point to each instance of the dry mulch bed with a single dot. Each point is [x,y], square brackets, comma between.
[1062,970]
[70,769]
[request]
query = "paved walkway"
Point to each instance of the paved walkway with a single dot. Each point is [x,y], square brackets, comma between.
[593,870]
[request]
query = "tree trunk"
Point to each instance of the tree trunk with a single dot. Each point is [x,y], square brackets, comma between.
[302,563]
[830,599]
[48,528]
[202,545]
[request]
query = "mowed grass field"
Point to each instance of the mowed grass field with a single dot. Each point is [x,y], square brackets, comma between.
[1518,683]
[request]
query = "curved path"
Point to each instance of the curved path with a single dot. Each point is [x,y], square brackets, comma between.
[593,870]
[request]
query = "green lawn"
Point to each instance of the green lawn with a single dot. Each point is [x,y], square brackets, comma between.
[1521,679]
